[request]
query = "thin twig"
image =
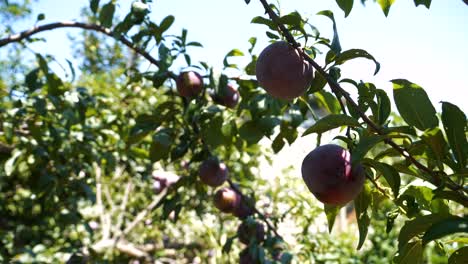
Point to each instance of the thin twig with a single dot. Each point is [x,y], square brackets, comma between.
[123,205]
[264,218]
[336,88]
[100,205]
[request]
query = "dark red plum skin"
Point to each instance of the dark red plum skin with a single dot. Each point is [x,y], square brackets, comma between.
[189,84]
[283,72]
[328,174]
[213,172]
[226,200]
[230,98]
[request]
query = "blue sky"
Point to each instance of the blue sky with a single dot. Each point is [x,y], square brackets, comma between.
[428,47]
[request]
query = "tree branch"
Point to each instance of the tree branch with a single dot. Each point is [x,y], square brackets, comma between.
[336,88]
[5,149]
[99,203]
[264,218]
[71,24]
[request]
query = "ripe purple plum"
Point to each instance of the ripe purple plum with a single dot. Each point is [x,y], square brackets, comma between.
[189,84]
[226,200]
[213,173]
[282,71]
[229,97]
[329,175]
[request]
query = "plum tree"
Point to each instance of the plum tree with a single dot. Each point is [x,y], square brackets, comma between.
[282,71]
[228,96]
[226,200]
[329,175]
[213,173]
[248,231]
[189,84]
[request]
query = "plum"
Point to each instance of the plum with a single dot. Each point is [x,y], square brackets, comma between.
[283,72]
[189,84]
[329,175]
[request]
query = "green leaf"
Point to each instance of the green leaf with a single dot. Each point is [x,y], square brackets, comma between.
[328,101]
[335,46]
[417,226]
[160,146]
[107,13]
[424,198]
[293,19]
[345,5]
[145,124]
[384,106]
[232,53]
[448,195]
[286,258]
[166,23]
[445,227]
[331,211]
[454,122]
[414,105]
[271,35]
[459,257]
[278,143]
[32,80]
[94,5]
[411,253]
[330,122]
[317,83]
[264,21]
[40,17]
[385,5]
[247,1]
[250,132]
[361,203]
[390,174]
[426,3]
[228,245]
[435,140]
[211,131]
[365,144]
[356,53]
[194,44]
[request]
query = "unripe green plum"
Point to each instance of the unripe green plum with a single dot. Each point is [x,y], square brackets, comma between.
[282,71]
[328,174]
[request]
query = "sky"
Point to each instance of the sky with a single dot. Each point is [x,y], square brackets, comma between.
[427,47]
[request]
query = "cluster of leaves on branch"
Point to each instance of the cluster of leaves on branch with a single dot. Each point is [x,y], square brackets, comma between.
[85,157]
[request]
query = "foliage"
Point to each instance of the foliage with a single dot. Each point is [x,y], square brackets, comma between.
[79,153]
